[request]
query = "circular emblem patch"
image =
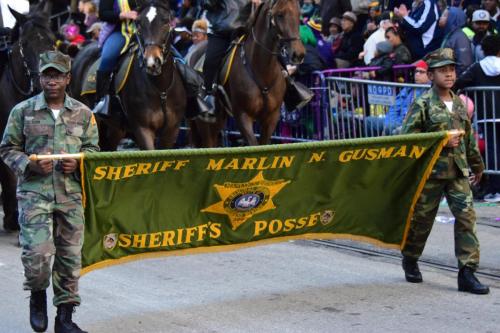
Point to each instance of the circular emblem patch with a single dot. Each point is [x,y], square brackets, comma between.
[247,200]
[110,241]
[327,217]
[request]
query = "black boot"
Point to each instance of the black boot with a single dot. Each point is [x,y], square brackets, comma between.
[297,95]
[38,311]
[468,282]
[64,322]
[206,106]
[103,83]
[412,272]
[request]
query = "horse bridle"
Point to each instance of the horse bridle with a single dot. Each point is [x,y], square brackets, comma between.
[29,73]
[165,50]
[272,24]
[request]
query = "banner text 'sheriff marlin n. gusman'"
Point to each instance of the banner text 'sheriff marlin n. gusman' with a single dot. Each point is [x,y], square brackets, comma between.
[146,204]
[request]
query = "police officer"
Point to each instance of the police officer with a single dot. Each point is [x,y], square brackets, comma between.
[49,194]
[439,109]
[226,17]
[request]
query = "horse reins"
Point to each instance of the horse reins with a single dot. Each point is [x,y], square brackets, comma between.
[271,24]
[264,89]
[166,53]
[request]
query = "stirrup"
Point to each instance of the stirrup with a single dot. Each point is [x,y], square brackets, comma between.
[102,107]
[206,110]
[297,95]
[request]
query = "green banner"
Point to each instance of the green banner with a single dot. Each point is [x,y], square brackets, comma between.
[155,203]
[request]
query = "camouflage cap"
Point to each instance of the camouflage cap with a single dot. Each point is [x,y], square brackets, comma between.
[440,57]
[56,60]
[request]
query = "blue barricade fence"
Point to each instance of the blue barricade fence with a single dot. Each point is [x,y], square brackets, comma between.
[487,124]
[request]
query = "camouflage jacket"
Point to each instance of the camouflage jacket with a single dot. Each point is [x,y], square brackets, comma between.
[32,129]
[429,114]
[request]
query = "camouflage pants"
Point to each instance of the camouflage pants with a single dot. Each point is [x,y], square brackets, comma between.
[49,228]
[459,197]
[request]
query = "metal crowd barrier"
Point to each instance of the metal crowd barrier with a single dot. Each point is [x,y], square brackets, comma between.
[487,124]
[345,108]
[358,108]
[401,73]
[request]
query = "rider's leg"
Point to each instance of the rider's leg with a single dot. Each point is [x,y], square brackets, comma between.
[216,49]
[297,94]
[109,59]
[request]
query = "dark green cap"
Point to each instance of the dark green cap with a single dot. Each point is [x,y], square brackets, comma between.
[440,57]
[56,60]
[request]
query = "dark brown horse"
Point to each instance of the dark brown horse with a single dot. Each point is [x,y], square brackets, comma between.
[18,81]
[153,98]
[256,85]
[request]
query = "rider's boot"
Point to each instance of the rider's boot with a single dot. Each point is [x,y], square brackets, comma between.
[297,95]
[103,83]
[206,105]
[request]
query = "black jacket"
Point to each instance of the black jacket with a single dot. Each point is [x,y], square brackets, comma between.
[402,55]
[350,46]
[385,62]
[474,76]
[224,15]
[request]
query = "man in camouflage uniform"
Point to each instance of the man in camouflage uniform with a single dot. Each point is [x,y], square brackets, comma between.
[439,109]
[49,193]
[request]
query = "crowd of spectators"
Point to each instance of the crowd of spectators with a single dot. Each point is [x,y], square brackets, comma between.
[343,33]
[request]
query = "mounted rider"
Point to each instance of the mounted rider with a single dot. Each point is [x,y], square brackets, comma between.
[227,18]
[118,17]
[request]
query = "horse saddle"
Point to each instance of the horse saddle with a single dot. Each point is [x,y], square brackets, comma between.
[227,63]
[120,76]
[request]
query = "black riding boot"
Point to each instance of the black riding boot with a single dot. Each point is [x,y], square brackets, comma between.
[64,323]
[103,83]
[38,311]
[468,282]
[297,95]
[412,272]
[206,105]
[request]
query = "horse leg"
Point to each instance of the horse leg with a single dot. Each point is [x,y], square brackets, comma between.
[170,131]
[268,126]
[245,124]
[8,181]
[145,138]
[109,137]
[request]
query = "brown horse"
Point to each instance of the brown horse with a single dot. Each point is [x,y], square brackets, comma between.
[256,85]
[153,98]
[19,81]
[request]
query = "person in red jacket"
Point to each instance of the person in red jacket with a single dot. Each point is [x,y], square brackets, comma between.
[71,33]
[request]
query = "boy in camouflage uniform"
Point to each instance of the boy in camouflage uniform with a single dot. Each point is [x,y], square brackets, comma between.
[440,109]
[49,194]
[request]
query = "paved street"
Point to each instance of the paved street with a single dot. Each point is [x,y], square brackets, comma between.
[288,287]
